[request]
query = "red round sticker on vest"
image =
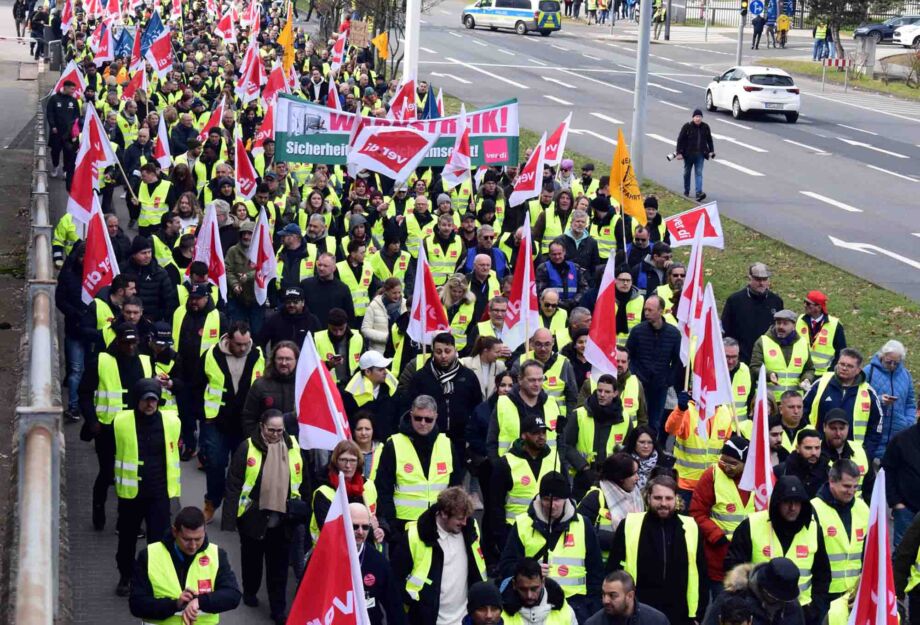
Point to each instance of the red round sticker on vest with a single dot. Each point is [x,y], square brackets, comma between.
[369,579]
[741,389]
[250,462]
[801,551]
[563,570]
[570,540]
[731,507]
[442,468]
[407,468]
[628,402]
[831,531]
[204,586]
[297,468]
[860,534]
[204,561]
[618,438]
[525,480]
[797,362]
[607,515]
[767,551]
[772,352]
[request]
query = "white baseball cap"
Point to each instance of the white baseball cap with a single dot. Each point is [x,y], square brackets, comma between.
[373,358]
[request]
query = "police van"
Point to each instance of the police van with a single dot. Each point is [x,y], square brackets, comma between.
[543,16]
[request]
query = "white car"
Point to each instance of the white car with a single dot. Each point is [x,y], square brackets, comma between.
[907,36]
[749,88]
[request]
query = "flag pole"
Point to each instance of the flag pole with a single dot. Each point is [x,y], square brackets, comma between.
[127,182]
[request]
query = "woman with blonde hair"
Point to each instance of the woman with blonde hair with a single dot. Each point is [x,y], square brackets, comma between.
[382,313]
[460,306]
[189,211]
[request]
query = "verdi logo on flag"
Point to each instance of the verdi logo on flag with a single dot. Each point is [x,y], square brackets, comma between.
[314,133]
[394,149]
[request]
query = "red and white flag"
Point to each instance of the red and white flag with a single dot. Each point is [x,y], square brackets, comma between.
[213,121]
[601,348]
[338,52]
[403,106]
[440,103]
[208,250]
[225,28]
[690,305]
[252,75]
[67,19]
[100,264]
[137,58]
[262,257]
[332,97]
[275,84]
[332,590]
[523,315]
[137,83]
[73,74]
[876,602]
[92,8]
[243,170]
[683,226]
[251,15]
[457,169]
[161,145]
[712,382]
[160,55]
[104,51]
[389,151]
[112,12]
[427,317]
[555,143]
[176,10]
[529,181]
[266,130]
[758,475]
[322,423]
[95,152]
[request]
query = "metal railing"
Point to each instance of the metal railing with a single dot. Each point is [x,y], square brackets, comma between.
[38,433]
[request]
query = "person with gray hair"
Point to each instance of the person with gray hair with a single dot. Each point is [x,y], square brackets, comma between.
[741,376]
[487,244]
[415,465]
[845,387]
[887,374]
[580,247]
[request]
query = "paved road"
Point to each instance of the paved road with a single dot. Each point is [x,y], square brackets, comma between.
[849,169]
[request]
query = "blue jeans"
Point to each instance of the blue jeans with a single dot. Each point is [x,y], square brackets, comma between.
[215,447]
[253,315]
[694,162]
[902,519]
[655,399]
[816,49]
[75,354]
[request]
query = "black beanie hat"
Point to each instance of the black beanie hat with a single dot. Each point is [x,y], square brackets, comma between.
[555,485]
[139,244]
[482,594]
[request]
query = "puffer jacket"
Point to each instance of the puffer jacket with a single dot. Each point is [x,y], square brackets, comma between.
[155,289]
[742,582]
[376,324]
[896,417]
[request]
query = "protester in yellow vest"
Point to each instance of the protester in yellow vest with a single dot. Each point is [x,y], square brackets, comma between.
[695,453]
[147,472]
[348,461]
[823,332]
[787,529]
[661,550]
[629,304]
[846,388]
[531,598]
[616,495]
[836,446]
[741,377]
[785,354]
[189,570]
[559,379]
[357,274]
[339,346]
[264,486]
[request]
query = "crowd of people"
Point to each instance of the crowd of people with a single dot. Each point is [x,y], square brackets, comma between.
[488,483]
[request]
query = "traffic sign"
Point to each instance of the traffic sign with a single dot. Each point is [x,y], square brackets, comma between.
[756,7]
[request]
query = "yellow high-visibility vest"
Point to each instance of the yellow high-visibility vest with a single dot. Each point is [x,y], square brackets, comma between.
[127,461]
[201,578]
[765,545]
[415,492]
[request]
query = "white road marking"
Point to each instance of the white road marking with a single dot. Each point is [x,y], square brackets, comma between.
[654,84]
[865,108]
[753,148]
[832,202]
[538,62]
[508,52]
[444,11]
[807,147]
[624,66]
[559,47]
[868,248]
[600,82]
[462,81]
[736,167]
[579,131]
[736,124]
[868,132]
[557,100]
[660,138]
[606,118]
[588,56]
[489,74]
[916,234]
[479,43]
[428,50]
[561,83]
[872,147]
[671,104]
[453,34]
[893,173]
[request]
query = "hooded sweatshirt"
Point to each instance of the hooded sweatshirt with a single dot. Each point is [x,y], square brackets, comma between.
[605,417]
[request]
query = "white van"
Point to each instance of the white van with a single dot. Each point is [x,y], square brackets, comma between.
[543,16]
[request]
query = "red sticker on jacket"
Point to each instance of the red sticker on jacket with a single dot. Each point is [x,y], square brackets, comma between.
[442,468]
[801,551]
[742,389]
[563,570]
[204,561]
[213,333]
[617,438]
[204,586]
[797,362]
[408,468]
[251,462]
[731,507]
[628,402]
[772,352]
[767,551]
[570,540]
[860,534]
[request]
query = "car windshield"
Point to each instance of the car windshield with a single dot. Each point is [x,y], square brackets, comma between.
[549,6]
[771,80]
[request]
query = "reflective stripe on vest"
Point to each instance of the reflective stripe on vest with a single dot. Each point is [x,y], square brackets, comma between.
[210,332]
[765,545]
[862,407]
[254,469]
[460,322]
[787,374]
[359,287]
[567,557]
[215,386]
[370,500]
[109,397]
[693,454]
[201,579]
[729,509]
[822,347]
[632,532]
[741,389]
[127,461]
[524,484]
[153,204]
[509,423]
[415,232]
[845,552]
[415,492]
[442,262]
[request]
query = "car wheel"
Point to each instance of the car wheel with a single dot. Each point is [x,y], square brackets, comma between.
[917,43]
[709,104]
[469,22]
[737,113]
[792,117]
[546,33]
[877,35]
[520,28]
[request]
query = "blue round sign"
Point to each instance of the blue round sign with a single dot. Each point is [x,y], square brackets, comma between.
[756,7]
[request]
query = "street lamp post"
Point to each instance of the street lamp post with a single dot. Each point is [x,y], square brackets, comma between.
[638,121]
[413,32]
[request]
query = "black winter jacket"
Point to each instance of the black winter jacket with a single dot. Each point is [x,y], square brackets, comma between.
[694,140]
[155,289]
[654,355]
[282,326]
[270,391]
[68,295]
[453,410]
[746,316]
[902,465]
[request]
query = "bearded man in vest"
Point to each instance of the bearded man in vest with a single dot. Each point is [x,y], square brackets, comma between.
[147,473]
[528,398]
[559,379]
[415,465]
[787,529]
[719,505]
[183,578]
[835,445]
[531,599]
[96,324]
[564,543]
[439,560]
[786,356]
[846,388]
[661,550]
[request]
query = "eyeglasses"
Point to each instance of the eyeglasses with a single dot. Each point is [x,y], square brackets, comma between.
[347,461]
[275,430]
[428,420]
[638,240]
[360,526]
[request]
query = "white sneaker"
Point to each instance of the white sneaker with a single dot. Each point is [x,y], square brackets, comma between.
[123,195]
[54,171]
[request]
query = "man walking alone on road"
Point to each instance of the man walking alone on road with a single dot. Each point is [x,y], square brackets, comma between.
[694,144]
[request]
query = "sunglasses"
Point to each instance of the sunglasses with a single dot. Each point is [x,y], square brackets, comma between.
[360,526]
[548,305]
[423,419]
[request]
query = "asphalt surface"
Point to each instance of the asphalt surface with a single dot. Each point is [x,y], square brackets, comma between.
[838,185]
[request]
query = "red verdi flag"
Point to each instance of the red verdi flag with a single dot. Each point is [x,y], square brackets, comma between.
[159,54]
[320,412]
[390,151]
[457,169]
[338,51]
[332,97]
[244,171]
[758,475]
[712,382]
[555,143]
[601,348]
[266,130]
[208,250]
[137,83]
[427,317]
[332,589]
[262,257]
[73,74]
[213,121]
[161,146]
[529,180]
[99,262]
[690,305]
[402,106]
[682,227]
[95,151]
[523,315]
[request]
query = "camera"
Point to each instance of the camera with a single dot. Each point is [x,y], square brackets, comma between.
[670,157]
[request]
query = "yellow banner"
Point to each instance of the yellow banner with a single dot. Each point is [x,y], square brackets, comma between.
[623,184]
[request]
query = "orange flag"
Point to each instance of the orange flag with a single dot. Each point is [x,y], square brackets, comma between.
[624,187]
[286,39]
